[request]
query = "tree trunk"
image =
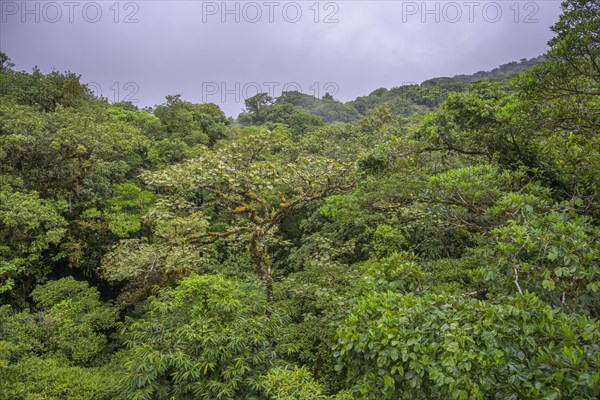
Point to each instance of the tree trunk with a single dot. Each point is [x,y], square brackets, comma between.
[262,262]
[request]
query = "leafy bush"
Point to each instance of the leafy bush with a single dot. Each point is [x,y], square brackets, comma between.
[441,347]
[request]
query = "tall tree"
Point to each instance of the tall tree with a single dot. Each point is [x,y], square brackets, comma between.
[252,187]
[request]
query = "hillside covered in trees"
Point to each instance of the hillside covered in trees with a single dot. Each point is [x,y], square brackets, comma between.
[302,112]
[432,241]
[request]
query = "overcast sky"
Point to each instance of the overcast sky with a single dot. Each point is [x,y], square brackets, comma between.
[221,52]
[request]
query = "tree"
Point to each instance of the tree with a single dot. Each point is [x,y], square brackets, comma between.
[69,153]
[255,105]
[295,118]
[45,91]
[262,110]
[30,231]
[191,123]
[577,40]
[126,209]
[53,351]
[73,319]
[551,251]
[253,188]
[209,338]
[160,259]
[5,63]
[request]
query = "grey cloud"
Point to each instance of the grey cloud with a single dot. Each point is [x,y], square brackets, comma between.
[171,50]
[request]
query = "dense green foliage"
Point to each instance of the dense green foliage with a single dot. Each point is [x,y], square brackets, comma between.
[432,241]
[210,338]
[447,347]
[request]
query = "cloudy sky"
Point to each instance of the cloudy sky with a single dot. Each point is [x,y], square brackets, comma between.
[221,52]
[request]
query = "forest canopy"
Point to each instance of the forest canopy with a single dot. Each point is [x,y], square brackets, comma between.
[431,241]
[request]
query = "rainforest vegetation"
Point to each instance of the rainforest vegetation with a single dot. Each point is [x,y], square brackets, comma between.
[431,241]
